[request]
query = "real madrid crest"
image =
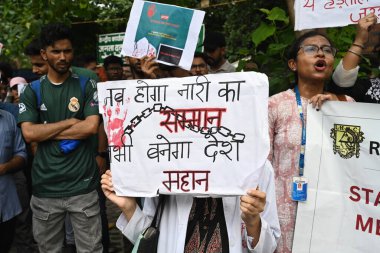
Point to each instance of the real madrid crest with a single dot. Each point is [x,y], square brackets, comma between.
[74,104]
[347,139]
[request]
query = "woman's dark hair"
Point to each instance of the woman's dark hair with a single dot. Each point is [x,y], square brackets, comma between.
[294,48]
[54,32]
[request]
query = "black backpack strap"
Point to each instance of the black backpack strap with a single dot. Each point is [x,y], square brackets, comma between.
[159,210]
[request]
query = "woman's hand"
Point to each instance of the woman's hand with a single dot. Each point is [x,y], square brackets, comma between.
[126,204]
[251,205]
[364,26]
[318,99]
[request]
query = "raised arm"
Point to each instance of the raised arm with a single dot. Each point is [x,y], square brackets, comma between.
[346,72]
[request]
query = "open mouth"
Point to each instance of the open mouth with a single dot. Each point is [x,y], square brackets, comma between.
[320,65]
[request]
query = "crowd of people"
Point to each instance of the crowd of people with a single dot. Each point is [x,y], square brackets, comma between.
[54,167]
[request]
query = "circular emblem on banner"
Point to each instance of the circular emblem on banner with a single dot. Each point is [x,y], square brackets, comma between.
[347,139]
[74,104]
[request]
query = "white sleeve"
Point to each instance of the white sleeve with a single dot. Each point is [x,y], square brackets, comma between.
[345,78]
[270,226]
[139,221]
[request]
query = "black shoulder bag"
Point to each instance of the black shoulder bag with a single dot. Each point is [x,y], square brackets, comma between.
[148,239]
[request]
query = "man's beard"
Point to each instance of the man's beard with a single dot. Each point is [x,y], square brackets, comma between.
[60,70]
[214,63]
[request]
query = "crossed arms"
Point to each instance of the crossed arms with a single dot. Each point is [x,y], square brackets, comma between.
[68,129]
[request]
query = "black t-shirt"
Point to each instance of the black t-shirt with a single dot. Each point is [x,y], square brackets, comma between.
[364,90]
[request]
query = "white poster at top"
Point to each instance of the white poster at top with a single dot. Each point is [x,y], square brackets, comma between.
[168,32]
[205,135]
[311,14]
[342,156]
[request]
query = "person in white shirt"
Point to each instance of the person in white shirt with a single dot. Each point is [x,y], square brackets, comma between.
[250,222]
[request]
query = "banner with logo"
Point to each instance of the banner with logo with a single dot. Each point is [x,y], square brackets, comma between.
[166,31]
[109,44]
[341,213]
[311,14]
[205,135]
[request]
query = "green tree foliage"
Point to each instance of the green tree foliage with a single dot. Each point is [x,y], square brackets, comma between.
[22,20]
[256,30]
[260,33]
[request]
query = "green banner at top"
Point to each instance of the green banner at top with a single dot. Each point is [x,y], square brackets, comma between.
[109,44]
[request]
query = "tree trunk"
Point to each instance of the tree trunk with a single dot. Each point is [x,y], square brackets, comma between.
[290,4]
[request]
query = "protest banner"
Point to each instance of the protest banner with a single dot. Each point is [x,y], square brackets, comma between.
[311,14]
[341,213]
[166,31]
[205,135]
[109,44]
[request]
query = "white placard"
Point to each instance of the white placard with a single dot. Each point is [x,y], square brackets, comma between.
[342,165]
[205,135]
[311,14]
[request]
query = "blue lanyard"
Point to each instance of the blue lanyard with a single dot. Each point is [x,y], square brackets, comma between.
[303,137]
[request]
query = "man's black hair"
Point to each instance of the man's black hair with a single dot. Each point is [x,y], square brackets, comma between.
[200,55]
[33,48]
[54,32]
[6,70]
[112,59]
[213,40]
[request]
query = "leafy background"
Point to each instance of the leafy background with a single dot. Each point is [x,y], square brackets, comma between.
[257,31]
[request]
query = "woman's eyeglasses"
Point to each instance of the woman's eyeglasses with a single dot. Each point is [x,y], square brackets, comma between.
[314,49]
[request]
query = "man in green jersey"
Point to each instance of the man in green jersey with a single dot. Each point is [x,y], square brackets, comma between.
[64,176]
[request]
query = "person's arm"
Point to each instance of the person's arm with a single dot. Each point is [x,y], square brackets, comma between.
[16,163]
[266,239]
[126,204]
[251,205]
[133,220]
[33,132]
[81,130]
[89,126]
[101,157]
[150,68]
[19,152]
[345,74]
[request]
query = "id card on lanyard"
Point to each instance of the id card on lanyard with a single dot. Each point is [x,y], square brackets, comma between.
[299,183]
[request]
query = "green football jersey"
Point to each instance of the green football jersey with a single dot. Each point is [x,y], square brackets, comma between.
[55,174]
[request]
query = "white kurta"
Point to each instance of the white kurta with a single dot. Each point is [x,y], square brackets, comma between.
[176,213]
[345,78]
